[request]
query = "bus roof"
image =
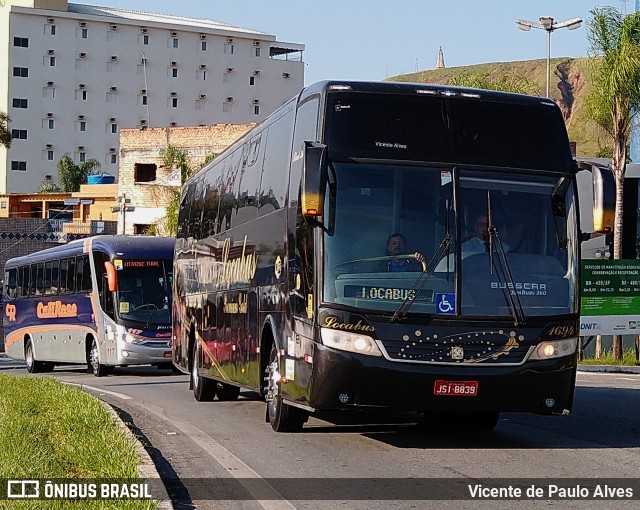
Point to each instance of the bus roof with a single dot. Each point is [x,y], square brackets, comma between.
[132,247]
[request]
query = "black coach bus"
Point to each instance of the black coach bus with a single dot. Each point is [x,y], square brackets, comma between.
[286,280]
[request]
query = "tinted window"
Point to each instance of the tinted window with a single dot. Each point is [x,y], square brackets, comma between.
[275,173]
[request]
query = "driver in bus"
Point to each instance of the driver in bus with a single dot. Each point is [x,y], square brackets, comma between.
[396,245]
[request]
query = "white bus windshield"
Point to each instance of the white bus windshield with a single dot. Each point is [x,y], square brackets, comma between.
[144,293]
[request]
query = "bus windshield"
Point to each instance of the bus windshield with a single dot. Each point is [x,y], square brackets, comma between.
[144,293]
[510,251]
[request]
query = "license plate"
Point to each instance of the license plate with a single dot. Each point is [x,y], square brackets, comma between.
[456,388]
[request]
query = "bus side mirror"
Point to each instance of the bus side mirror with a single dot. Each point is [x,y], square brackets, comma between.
[112,280]
[604,199]
[314,179]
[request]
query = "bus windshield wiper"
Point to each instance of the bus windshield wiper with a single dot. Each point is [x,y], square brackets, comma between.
[420,282]
[148,323]
[503,270]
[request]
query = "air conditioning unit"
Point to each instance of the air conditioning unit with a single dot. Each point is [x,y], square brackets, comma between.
[143,122]
[50,52]
[113,27]
[50,20]
[174,93]
[144,30]
[48,146]
[80,148]
[80,117]
[229,70]
[112,119]
[255,101]
[113,57]
[49,115]
[229,40]
[202,96]
[203,37]
[202,66]
[256,43]
[112,149]
[173,124]
[229,99]
[143,91]
[49,84]
[174,34]
[83,23]
[113,89]
[81,86]
[256,73]
[286,75]
[173,63]
[82,55]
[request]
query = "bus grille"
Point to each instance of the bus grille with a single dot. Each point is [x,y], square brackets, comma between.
[489,347]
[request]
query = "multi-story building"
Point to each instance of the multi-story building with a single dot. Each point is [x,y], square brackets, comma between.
[77,74]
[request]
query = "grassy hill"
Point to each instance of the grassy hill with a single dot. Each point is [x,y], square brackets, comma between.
[569,85]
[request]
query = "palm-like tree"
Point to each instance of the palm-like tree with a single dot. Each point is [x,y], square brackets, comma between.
[5,134]
[615,98]
[71,176]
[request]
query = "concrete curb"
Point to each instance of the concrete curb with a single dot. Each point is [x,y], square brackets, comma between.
[609,369]
[147,467]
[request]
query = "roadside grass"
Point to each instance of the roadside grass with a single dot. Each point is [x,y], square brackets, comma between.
[606,358]
[50,430]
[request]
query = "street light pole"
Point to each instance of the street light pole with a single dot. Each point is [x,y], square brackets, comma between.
[547,23]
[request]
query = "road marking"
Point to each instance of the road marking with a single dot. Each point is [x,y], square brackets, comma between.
[121,396]
[227,460]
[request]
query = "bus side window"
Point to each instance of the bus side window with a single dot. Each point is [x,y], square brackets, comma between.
[10,280]
[83,274]
[71,275]
[55,277]
[23,281]
[37,279]
[48,267]
[62,275]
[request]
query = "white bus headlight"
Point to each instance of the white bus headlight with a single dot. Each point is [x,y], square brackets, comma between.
[351,342]
[555,349]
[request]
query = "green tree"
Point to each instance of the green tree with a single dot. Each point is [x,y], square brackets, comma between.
[506,83]
[48,186]
[5,134]
[614,41]
[71,176]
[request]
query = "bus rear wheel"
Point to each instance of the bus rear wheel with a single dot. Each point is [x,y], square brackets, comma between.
[281,416]
[97,368]
[204,389]
[33,366]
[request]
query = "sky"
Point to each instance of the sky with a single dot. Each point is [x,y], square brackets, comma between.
[376,39]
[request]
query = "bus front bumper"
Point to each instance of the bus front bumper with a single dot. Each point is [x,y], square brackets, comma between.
[137,354]
[349,381]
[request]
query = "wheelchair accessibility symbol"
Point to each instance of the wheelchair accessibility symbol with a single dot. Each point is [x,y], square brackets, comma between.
[446,303]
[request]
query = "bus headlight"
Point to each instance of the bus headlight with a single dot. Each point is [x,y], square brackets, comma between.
[351,342]
[130,339]
[555,349]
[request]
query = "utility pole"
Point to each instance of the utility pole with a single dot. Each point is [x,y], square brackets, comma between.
[122,208]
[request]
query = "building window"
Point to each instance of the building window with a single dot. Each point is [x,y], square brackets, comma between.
[227,107]
[113,158]
[52,61]
[19,134]
[49,92]
[252,80]
[52,29]
[112,67]
[84,33]
[50,155]
[145,39]
[144,100]
[174,42]
[21,72]
[257,52]
[82,125]
[256,109]
[20,103]
[227,78]
[114,128]
[82,157]
[20,166]
[174,102]
[228,49]
[21,42]
[144,172]
[174,72]
[51,124]
[203,45]
[81,95]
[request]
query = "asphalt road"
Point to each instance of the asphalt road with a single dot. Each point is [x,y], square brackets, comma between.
[223,454]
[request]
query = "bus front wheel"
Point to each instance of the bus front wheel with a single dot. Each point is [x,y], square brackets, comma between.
[97,368]
[33,366]
[281,416]
[204,389]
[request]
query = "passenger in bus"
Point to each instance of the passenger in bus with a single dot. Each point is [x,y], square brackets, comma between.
[480,242]
[396,245]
